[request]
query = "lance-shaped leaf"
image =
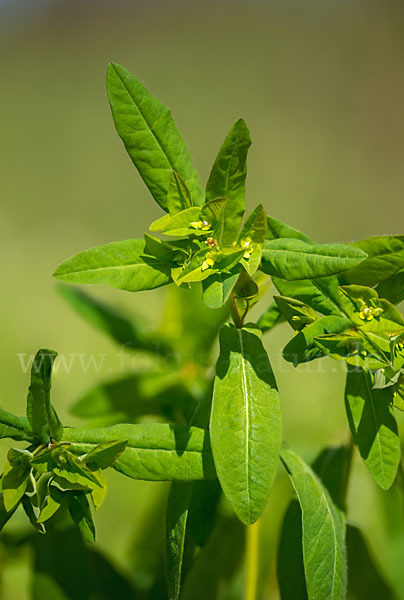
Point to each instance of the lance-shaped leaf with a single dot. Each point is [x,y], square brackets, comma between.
[318,293]
[179,224]
[121,265]
[293,259]
[332,467]
[323,525]
[177,516]
[252,237]
[276,229]
[246,422]
[392,288]
[373,426]
[385,257]
[41,415]
[155,451]
[178,195]
[80,512]
[17,428]
[227,179]
[128,332]
[297,313]
[104,455]
[303,348]
[150,135]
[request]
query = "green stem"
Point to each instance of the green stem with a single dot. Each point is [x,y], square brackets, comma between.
[252,561]
[348,465]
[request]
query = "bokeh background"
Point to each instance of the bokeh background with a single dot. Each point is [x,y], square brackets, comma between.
[321,86]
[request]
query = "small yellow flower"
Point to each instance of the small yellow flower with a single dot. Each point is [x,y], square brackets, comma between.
[211,242]
[203,225]
[368,313]
[247,246]
[208,262]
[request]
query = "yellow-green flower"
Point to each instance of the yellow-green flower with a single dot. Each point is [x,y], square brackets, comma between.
[368,313]
[247,245]
[203,225]
[208,262]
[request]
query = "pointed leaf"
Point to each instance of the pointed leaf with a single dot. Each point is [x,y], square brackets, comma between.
[392,288]
[155,451]
[41,415]
[373,426]
[178,195]
[323,527]
[246,423]
[80,512]
[293,259]
[103,455]
[177,516]
[121,265]
[385,257]
[14,483]
[276,229]
[150,135]
[227,178]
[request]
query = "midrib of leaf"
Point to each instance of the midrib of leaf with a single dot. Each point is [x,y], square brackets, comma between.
[231,160]
[130,266]
[375,422]
[304,253]
[247,418]
[154,134]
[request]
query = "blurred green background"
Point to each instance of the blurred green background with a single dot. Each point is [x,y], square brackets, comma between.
[321,86]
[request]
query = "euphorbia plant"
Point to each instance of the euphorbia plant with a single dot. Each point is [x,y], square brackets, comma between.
[222,434]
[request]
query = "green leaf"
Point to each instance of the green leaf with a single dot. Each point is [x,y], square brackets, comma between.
[293,259]
[276,229]
[105,454]
[155,451]
[16,428]
[224,260]
[5,515]
[332,467]
[385,257]
[227,178]
[29,511]
[354,348]
[320,294]
[218,287]
[365,581]
[125,331]
[14,483]
[80,512]
[392,288]
[121,265]
[177,515]
[178,195]
[150,136]
[252,237]
[296,312]
[179,224]
[271,317]
[41,415]
[323,526]
[51,505]
[303,348]
[246,422]
[373,426]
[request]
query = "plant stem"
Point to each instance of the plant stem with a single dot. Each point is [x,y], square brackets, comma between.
[252,561]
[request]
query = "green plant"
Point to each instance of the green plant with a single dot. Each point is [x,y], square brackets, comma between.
[223,436]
